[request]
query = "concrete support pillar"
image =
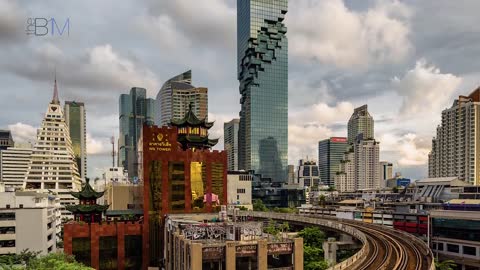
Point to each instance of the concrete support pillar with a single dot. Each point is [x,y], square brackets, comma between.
[262,253]
[196,256]
[230,256]
[330,248]
[298,254]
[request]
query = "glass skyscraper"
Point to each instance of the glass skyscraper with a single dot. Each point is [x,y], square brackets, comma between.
[262,58]
[76,121]
[135,109]
[330,154]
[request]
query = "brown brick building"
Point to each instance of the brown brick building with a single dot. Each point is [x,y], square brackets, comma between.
[180,175]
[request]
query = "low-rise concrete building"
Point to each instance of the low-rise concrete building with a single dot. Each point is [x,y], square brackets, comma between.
[196,242]
[28,220]
[239,189]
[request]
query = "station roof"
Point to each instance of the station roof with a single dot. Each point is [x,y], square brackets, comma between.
[441,181]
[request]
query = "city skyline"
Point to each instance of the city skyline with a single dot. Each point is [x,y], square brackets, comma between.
[392,75]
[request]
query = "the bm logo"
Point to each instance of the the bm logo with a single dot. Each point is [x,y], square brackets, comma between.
[44,26]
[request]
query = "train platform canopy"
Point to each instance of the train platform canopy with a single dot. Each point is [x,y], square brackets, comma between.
[442,181]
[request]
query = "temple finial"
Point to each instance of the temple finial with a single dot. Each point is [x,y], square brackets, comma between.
[55,99]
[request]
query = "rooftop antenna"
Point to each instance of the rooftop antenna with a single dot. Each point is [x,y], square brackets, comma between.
[112,141]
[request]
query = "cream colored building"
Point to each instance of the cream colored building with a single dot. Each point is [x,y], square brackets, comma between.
[53,168]
[123,196]
[239,189]
[14,163]
[192,244]
[28,220]
[456,147]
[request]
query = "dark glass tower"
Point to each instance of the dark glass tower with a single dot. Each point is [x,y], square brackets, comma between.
[330,153]
[75,117]
[135,109]
[263,74]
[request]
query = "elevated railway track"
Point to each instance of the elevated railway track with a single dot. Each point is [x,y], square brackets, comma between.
[382,247]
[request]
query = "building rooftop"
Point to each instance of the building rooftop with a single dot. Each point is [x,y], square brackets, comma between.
[450,181]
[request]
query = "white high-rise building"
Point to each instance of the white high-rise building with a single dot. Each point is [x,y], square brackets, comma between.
[360,123]
[367,164]
[14,164]
[230,143]
[386,171]
[345,177]
[456,148]
[53,167]
[176,96]
[360,167]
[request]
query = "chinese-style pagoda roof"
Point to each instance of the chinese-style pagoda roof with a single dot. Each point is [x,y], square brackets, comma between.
[86,208]
[87,192]
[190,119]
[197,140]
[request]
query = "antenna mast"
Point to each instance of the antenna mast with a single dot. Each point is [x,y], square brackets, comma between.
[113,150]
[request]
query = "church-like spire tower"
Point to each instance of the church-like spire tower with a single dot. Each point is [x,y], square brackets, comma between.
[55,99]
[52,165]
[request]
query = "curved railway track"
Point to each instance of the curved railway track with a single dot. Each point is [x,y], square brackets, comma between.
[388,249]
[400,250]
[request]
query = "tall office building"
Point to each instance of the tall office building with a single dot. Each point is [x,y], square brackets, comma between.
[14,163]
[307,174]
[456,148]
[361,122]
[360,167]
[263,75]
[52,166]
[135,110]
[175,96]
[330,153]
[230,143]
[6,139]
[386,171]
[367,164]
[75,117]
[345,177]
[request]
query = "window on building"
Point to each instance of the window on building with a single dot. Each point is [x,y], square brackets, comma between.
[108,250]
[468,250]
[7,243]
[7,216]
[133,254]
[81,250]
[453,248]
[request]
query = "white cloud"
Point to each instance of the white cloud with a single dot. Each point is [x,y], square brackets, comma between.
[23,133]
[312,124]
[98,68]
[329,32]
[409,149]
[98,146]
[425,89]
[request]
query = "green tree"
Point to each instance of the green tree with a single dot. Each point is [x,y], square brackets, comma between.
[312,236]
[272,229]
[445,265]
[395,189]
[259,206]
[321,200]
[57,261]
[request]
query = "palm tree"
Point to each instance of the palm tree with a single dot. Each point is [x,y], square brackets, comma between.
[445,265]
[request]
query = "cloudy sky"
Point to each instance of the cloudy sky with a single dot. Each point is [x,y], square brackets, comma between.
[407,60]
